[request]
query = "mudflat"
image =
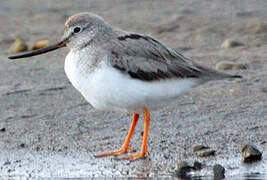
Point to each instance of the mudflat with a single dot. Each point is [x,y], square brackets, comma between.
[47,129]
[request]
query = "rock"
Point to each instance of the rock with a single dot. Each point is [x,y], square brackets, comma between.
[182,169]
[206,153]
[203,151]
[228,65]
[250,154]
[19,45]
[3,129]
[218,171]
[199,147]
[230,43]
[182,164]
[7,163]
[10,170]
[40,44]
[197,165]
[123,129]
[22,145]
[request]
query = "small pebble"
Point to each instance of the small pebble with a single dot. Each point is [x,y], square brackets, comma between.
[218,171]
[182,169]
[10,170]
[250,154]
[22,145]
[7,163]
[19,45]
[123,129]
[206,153]
[230,43]
[166,156]
[228,65]
[197,165]
[40,44]
[199,147]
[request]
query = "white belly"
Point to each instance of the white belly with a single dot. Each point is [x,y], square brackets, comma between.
[106,88]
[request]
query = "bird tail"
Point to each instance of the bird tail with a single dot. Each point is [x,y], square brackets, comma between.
[213,74]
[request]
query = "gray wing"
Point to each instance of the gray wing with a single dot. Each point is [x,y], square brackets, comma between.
[144,58]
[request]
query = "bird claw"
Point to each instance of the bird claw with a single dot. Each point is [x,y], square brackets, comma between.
[134,157]
[122,150]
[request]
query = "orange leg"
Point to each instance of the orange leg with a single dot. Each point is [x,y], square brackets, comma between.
[126,143]
[144,150]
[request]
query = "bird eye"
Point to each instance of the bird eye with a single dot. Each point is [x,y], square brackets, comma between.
[77,29]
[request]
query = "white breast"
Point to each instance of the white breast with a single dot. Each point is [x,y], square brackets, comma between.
[77,68]
[106,88]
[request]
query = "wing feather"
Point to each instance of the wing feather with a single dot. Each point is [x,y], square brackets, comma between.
[145,58]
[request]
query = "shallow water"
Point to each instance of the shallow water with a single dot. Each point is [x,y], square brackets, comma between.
[241,176]
[236,169]
[25,164]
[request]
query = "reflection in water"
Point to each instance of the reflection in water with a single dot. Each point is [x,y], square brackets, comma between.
[235,169]
[253,176]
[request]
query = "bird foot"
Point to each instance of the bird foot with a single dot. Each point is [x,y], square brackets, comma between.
[135,156]
[122,150]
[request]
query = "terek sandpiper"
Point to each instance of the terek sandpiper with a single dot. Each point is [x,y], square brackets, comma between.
[120,71]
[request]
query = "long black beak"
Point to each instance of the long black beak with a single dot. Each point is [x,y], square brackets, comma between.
[41,51]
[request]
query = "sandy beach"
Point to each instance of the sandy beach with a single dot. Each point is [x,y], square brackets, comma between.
[47,129]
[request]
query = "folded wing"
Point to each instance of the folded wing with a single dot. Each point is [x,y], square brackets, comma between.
[146,59]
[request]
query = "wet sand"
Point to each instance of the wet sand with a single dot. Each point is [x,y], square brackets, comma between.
[51,131]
